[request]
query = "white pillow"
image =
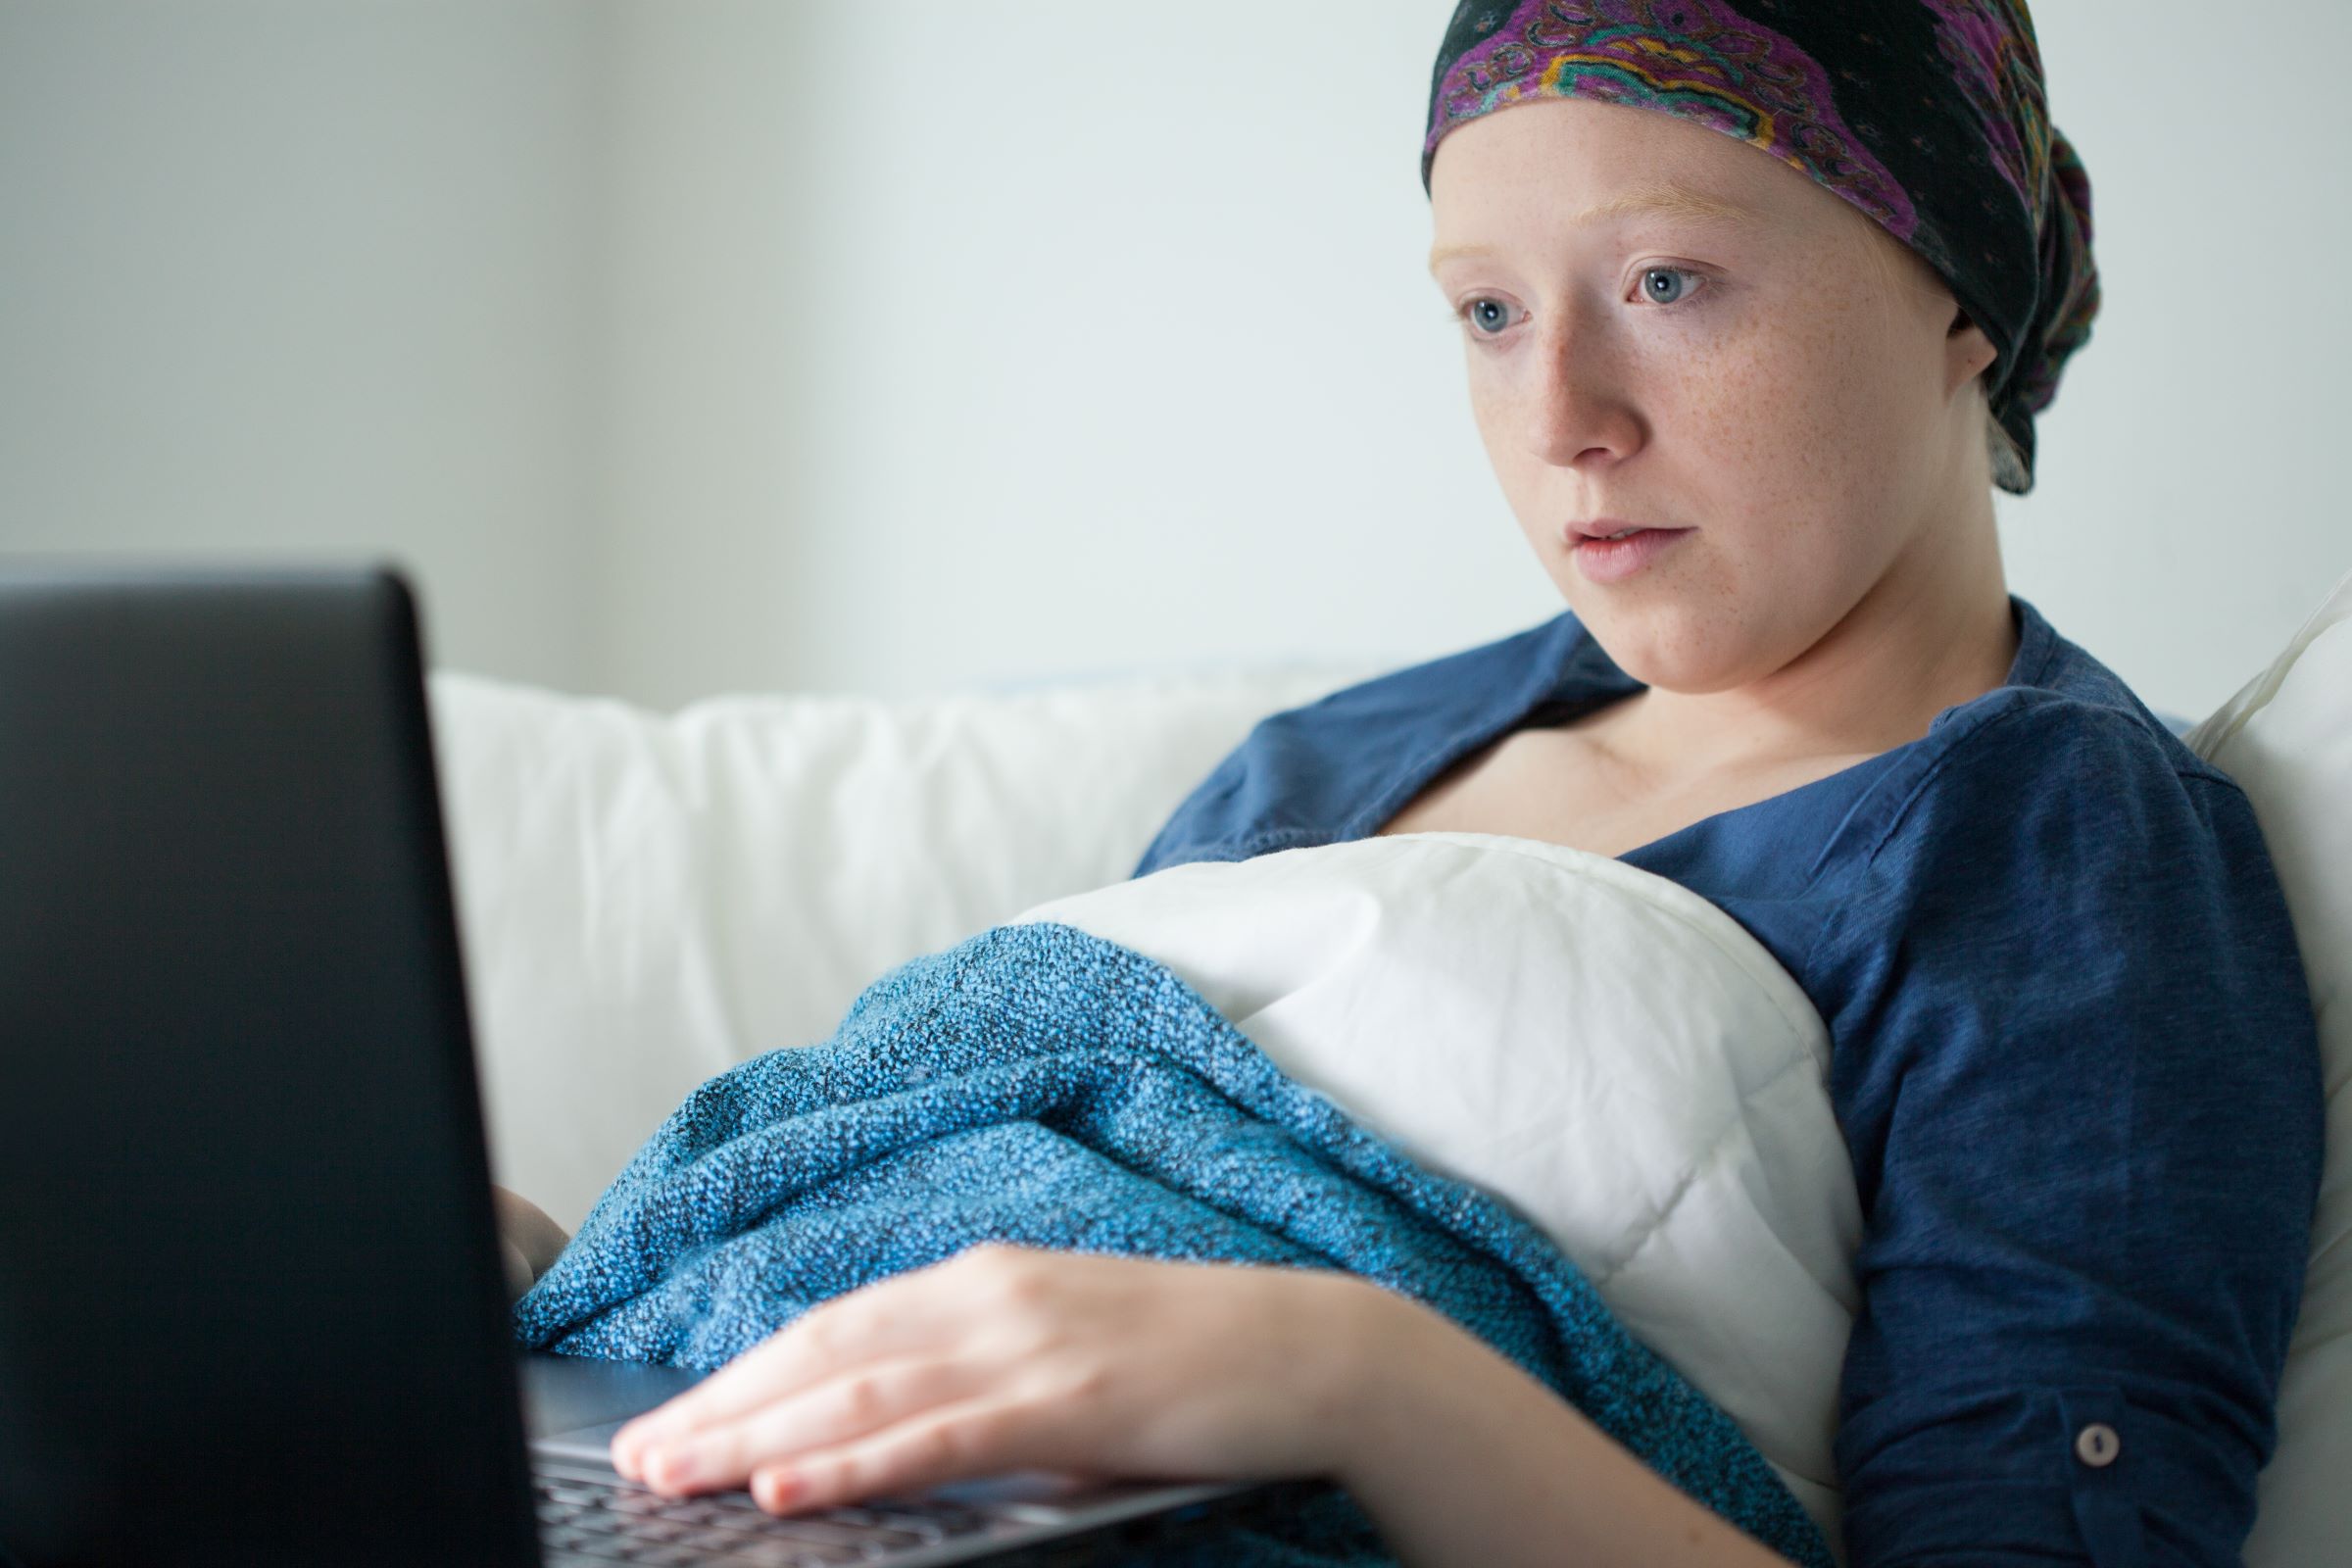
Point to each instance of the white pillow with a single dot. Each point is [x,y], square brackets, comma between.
[646,899]
[2286,738]
[1606,1050]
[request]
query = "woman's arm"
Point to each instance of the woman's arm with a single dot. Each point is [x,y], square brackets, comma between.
[1011,1357]
[1462,1457]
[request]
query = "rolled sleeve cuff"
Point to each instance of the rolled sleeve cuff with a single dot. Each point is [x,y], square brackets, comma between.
[2044,1476]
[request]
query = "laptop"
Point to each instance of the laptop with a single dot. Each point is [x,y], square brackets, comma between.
[251,1303]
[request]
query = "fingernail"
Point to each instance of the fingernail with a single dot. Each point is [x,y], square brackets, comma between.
[675,1465]
[778,1488]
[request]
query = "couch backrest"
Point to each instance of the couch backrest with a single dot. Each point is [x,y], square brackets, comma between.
[648,899]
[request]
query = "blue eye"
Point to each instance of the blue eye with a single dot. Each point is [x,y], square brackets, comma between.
[1481,312]
[1672,295]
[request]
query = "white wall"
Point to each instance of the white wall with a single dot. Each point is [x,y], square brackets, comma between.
[693,345]
[305,275]
[713,417]
[1076,338]
[2190,511]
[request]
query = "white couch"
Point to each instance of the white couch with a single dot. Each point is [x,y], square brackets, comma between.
[647,900]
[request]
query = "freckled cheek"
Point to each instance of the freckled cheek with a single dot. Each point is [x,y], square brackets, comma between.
[1745,433]
[1490,402]
[1775,418]
[1501,430]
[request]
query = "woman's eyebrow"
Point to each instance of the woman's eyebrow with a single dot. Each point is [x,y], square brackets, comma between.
[1670,200]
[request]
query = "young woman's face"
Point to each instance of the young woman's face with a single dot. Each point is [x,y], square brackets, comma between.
[1759,375]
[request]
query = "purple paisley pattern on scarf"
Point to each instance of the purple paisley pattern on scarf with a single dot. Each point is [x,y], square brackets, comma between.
[1996,66]
[1990,46]
[1696,59]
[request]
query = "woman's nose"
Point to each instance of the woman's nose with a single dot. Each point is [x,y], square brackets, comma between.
[1576,403]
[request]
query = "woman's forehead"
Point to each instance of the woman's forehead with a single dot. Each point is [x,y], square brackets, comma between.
[1566,165]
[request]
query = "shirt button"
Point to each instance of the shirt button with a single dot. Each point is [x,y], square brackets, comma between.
[2096,1445]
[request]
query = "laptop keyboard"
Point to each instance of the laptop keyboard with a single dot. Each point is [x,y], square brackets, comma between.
[584,1522]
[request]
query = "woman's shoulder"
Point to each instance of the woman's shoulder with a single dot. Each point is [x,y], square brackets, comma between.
[2066,737]
[2060,687]
[2057,840]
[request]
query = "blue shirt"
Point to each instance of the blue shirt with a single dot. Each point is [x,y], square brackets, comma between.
[2072,1057]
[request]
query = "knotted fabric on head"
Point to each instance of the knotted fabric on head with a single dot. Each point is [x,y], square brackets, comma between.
[1927,115]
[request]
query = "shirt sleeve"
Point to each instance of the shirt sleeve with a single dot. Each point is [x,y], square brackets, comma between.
[2077,1070]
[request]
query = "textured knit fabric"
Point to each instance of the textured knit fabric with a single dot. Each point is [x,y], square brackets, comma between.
[1927,115]
[1035,1084]
[2072,1057]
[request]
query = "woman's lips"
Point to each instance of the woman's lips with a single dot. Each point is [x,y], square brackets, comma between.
[1601,527]
[1614,559]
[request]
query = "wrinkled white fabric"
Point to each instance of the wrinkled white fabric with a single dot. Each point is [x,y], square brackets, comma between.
[1604,1050]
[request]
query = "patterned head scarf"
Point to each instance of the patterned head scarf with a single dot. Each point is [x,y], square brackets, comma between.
[1927,115]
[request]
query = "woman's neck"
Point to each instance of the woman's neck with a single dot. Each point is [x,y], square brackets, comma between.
[1876,681]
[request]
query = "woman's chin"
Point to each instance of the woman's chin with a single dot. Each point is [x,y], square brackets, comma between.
[1633,643]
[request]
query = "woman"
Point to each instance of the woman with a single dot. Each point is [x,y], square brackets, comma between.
[2074,1062]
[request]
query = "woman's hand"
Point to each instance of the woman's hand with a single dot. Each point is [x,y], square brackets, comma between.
[1011,1357]
[529,1241]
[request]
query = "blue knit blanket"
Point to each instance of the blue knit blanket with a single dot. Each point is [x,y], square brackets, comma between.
[1038,1085]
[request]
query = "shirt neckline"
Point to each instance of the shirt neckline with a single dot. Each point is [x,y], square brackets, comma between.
[1580,673]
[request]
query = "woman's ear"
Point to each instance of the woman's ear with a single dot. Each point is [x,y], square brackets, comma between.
[1967,352]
